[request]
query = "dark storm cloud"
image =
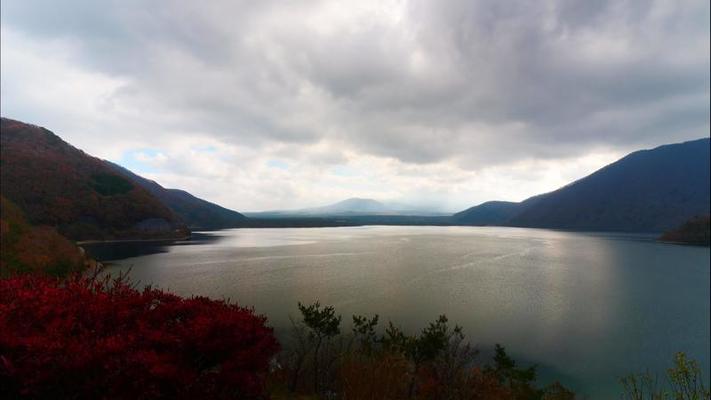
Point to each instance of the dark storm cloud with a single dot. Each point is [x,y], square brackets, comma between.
[475,83]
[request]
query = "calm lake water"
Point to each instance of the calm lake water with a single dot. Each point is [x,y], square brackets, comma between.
[587,308]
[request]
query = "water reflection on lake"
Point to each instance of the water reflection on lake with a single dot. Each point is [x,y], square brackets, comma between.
[587,307]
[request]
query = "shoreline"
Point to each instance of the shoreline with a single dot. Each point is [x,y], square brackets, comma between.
[84,242]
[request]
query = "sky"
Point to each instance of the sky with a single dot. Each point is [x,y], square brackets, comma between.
[264,105]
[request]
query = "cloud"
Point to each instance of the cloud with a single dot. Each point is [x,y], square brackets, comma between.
[454,92]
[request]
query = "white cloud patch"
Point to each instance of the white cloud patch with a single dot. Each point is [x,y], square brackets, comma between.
[267,105]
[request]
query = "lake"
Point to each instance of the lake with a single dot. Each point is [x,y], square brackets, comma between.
[586,307]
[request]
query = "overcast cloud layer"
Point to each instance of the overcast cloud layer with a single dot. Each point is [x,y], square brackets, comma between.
[268,105]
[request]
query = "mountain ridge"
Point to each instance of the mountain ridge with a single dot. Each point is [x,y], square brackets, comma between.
[354,206]
[194,211]
[55,184]
[87,198]
[651,190]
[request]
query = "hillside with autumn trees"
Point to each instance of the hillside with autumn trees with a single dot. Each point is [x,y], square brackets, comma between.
[26,248]
[58,185]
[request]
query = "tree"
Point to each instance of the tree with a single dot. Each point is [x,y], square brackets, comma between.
[519,380]
[323,325]
[364,332]
[684,379]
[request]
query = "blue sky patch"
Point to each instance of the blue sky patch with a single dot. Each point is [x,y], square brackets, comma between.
[130,160]
[343,170]
[277,164]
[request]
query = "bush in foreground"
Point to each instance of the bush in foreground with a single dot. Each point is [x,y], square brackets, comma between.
[89,338]
[435,364]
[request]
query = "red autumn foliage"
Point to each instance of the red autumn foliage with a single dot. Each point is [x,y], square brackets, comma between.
[99,338]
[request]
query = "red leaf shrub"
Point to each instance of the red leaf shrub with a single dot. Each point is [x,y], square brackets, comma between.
[89,338]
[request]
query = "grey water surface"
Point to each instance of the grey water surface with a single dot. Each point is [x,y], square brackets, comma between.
[586,307]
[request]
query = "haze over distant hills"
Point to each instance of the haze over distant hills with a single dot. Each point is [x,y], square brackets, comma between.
[350,207]
[646,191]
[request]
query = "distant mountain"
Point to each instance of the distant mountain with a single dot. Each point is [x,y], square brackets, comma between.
[196,212]
[646,191]
[350,207]
[57,185]
[489,213]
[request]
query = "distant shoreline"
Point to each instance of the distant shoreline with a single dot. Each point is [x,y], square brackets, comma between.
[285,223]
[83,242]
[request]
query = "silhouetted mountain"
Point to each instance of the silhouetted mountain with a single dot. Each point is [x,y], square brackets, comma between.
[649,190]
[646,191]
[196,212]
[350,207]
[489,213]
[60,186]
